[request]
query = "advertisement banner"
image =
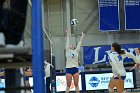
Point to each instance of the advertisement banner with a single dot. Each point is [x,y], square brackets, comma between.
[61,83]
[101,81]
[2,84]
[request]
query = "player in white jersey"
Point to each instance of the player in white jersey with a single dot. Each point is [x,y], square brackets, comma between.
[72,62]
[119,74]
[48,67]
[137,65]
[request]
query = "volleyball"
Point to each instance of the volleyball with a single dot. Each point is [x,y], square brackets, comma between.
[74,22]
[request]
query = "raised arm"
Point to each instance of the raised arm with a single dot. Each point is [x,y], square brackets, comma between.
[80,42]
[47,63]
[82,36]
[68,33]
[68,39]
[130,55]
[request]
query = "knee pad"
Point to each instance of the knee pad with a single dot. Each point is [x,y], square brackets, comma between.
[77,88]
[67,89]
[110,90]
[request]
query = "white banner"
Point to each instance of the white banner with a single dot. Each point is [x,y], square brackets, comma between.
[2,85]
[101,81]
[61,83]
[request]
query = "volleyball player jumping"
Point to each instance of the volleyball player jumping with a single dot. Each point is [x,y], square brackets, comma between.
[72,62]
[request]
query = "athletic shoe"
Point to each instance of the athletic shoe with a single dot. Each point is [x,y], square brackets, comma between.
[19,45]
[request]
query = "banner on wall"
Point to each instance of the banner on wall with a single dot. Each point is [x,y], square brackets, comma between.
[132,14]
[99,54]
[61,83]
[101,81]
[2,83]
[109,15]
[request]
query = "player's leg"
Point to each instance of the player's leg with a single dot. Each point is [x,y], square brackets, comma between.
[48,85]
[76,79]
[120,84]
[68,78]
[111,85]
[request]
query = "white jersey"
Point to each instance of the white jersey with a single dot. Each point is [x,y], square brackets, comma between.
[72,55]
[47,69]
[116,62]
[138,59]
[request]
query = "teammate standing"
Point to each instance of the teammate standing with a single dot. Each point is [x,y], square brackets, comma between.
[137,65]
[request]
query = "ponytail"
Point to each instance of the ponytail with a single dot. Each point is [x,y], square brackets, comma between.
[139,50]
[122,52]
[117,48]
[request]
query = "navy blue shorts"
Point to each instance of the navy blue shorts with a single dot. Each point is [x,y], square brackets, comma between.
[122,77]
[72,71]
[26,78]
